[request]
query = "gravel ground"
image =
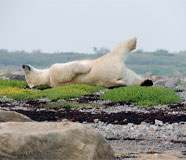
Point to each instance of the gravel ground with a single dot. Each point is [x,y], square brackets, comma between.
[131,140]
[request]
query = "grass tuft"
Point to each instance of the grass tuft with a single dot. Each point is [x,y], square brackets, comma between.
[143,96]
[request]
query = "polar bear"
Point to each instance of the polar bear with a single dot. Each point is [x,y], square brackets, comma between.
[107,71]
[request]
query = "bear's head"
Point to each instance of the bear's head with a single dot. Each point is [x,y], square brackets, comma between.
[31,75]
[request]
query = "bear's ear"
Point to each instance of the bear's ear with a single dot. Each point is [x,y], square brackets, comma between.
[147,82]
[26,67]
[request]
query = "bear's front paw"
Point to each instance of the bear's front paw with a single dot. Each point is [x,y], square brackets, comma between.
[147,82]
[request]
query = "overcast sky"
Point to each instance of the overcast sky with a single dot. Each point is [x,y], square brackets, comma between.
[78,25]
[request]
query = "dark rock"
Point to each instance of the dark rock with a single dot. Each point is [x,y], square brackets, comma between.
[17,77]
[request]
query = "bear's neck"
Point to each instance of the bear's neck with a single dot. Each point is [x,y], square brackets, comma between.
[42,78]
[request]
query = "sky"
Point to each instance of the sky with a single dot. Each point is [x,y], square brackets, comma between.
[80,25]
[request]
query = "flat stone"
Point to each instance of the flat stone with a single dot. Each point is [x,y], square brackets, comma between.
[52,140]
[7,116]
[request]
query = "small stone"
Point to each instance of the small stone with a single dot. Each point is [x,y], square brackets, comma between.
[130,125]
[100,123]
[169,126]
[65,120]
[158,122]
[153,127]
[140,136]
[142,126]
[184,105]
[96,120]
[175,124]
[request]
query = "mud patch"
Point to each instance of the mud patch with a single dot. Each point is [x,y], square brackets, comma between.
[113,118]
[88,98]
[35,110]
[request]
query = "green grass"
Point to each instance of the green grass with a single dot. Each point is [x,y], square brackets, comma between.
[13,83]
[143,96]
[17,90]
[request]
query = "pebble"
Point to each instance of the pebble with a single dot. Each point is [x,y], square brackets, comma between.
[158,122]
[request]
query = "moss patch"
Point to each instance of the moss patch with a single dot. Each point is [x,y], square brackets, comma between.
[16,90]
[12,90]
[13,83]
[143,96]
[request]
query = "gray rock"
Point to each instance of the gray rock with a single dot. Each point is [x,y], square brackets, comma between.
[180,88]
[52,140]
[182,131]
[173,82]
[130,125]
[158,122]
[169,127]
[140,136]
[160,83]
[7,116]
[17,77]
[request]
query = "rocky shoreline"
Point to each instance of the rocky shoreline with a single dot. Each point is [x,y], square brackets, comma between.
[157,132]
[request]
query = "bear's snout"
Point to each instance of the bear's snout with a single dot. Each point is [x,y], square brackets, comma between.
[26,67]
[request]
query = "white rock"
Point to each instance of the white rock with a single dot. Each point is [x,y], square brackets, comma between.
[158,122]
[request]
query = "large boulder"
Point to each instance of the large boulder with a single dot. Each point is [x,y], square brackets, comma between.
[7,116]
[52,140]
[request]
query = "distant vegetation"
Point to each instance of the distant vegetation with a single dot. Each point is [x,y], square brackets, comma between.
[144,96]
[159,62]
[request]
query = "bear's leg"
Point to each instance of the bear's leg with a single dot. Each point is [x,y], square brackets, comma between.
[116,83]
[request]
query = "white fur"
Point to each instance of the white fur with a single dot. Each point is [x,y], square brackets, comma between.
[108,70]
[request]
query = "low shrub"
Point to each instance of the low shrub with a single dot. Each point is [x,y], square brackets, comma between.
[144,96]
